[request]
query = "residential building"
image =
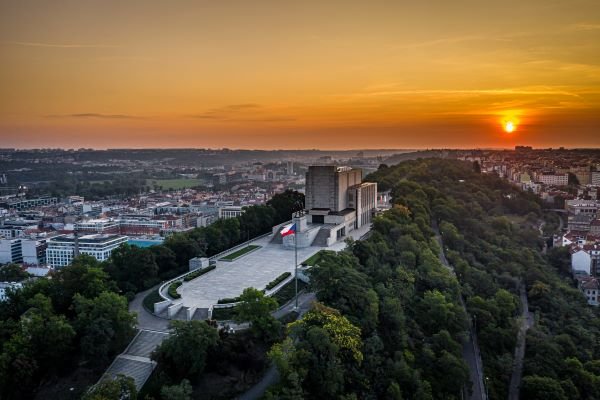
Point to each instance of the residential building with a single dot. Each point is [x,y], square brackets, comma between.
[61,249]
[586,259]
[34,251]
[104,226]
[590,288]
[230,212]
[24,204]
[10,251]
[554,179]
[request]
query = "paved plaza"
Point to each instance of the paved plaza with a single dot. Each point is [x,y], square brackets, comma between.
[256,270]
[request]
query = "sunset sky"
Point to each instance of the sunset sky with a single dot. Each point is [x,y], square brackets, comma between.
[303,74]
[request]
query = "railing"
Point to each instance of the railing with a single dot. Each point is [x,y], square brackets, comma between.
[214,257]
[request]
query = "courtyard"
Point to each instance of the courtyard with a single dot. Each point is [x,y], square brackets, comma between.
[255,269]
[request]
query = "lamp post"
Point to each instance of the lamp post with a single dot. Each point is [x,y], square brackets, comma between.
[487,394]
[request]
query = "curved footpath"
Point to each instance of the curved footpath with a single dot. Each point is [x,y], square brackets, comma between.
[526,323]
[471,353]
[145,319]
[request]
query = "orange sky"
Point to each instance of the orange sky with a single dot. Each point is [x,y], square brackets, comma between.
[277,74]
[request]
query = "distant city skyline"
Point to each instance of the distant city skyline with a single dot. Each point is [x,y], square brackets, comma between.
[327,75]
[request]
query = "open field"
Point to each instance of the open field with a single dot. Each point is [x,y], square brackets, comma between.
[174,184]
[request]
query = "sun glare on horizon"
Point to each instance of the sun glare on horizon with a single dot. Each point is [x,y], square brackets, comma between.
[509,126]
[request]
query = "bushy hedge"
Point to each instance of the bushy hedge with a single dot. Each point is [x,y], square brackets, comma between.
[173,289]
[229,300]
[198,273]
[278,280]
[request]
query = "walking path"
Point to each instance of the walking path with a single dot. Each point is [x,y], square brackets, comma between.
[471,353]
[526,322]
[271,377]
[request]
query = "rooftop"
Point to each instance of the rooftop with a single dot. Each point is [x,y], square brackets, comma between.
[97,238]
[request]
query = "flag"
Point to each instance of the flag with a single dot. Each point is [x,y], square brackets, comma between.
[288,230]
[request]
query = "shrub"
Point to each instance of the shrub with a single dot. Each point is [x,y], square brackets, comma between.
[228,300]
[198,273]
[278,280]
[173,289]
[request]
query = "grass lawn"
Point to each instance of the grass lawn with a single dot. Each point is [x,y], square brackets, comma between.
[240,252]
[314,258]
[223,314]
[150,299]
[287,292]
[174,184]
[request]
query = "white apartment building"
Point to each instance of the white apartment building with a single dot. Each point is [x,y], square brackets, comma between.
[61,249]
[230,212]
[554,179]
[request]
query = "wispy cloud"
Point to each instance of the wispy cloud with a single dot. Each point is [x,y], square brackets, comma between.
[62,45]
[227,111]
[94,115]
[585,27]
[246,112]
[441,41]
[467,92]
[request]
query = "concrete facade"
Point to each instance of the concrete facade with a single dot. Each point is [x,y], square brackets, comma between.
[338,201]
[327,186]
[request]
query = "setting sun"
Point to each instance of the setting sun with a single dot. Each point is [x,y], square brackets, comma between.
[509,126]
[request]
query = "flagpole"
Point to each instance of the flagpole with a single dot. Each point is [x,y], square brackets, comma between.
[296,264]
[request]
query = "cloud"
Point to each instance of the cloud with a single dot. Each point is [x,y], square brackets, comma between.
[440,41]
[585,27]
[63,45]
[226,112]
[527,91]
[241,106]
[245,112]
[94,115]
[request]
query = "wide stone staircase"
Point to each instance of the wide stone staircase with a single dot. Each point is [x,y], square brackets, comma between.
[135,361]
[201,314]
[321,238]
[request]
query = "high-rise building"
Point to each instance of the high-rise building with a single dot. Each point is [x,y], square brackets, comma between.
[338,199]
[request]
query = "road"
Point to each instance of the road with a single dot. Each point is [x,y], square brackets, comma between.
[471,353]
[526,322]
[271,377]
[145,319]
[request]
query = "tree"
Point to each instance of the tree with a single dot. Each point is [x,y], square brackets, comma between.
[120,388]
[166,260]
[12,273]
[133,268]
[256,308]
[541,388]
[41,344]
[84,276]
[183,391]
[285,204]
[339,284]
[183,353]
[320,357]
[184,247]
[104,324]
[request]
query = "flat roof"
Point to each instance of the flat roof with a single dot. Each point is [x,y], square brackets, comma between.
[98,238]
[345,211]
